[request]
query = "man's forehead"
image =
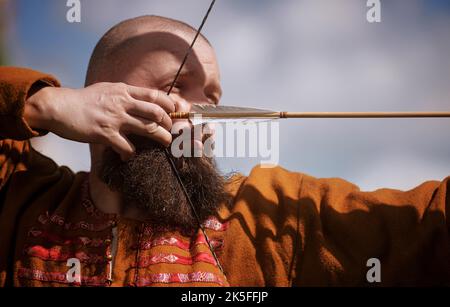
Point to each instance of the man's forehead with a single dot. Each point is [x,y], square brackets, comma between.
[148,24]
[162,34]
[176,43]
[166,52]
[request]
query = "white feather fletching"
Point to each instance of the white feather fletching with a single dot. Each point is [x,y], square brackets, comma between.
[208,113]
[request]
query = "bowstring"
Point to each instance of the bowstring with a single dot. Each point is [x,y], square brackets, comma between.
[168,155]
[197,34]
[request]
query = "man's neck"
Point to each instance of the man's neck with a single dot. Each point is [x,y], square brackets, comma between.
[106,200]
[110,202]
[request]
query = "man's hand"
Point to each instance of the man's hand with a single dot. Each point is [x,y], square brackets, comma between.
[103,113]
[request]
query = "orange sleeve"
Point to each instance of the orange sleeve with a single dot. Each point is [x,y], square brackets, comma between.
[297,230]
[16,85]
[340,228]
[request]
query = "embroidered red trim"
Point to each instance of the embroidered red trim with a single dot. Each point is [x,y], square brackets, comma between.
[32,274]
[150,230]
[55,254]
[45,219]
[87,203]
[217,244]
[96,281]
[146,261]
[214,224]
[167,278]
[211,223]
[54,238]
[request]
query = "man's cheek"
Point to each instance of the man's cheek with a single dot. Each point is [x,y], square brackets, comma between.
[182,140]
[208,140]
[204,140]
[192,141]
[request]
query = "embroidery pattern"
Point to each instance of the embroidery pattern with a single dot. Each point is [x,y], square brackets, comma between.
[214,224]
[104,222]
[167,278]
[87,203]
[146,261]
[55,254]
[211,223]
[58,277]
[45,219]
[53,238]
[176,242]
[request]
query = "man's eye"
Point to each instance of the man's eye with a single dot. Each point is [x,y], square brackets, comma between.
[176,86]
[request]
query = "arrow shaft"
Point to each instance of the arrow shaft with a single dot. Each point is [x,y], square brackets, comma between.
[365,115]
[288,115]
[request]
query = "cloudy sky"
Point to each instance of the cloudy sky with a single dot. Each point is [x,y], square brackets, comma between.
[302,55]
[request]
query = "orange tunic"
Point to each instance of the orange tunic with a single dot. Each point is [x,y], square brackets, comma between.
[284,228]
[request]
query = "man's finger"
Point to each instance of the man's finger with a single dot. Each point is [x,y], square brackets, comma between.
[122,145]
[150,112]
[152,96]
[150,129]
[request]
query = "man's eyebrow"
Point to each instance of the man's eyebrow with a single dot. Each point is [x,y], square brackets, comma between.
[170,76]
[189,74]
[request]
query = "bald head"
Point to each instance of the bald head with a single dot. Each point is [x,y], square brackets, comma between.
[120,38]
[147,52]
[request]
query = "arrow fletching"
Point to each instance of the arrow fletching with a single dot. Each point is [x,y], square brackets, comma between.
[208,113]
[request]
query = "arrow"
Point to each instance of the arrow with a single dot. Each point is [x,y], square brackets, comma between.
[220,113]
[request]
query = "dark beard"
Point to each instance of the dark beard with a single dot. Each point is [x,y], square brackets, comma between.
[147,182]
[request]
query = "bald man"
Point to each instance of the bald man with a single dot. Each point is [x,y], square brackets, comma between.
[127,221]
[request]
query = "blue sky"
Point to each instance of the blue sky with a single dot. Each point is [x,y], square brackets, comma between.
[303,55]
